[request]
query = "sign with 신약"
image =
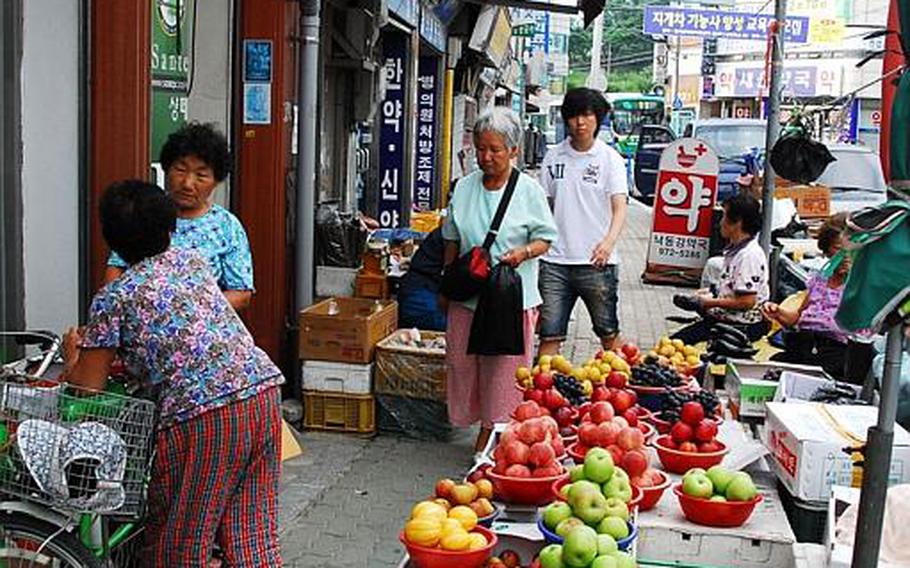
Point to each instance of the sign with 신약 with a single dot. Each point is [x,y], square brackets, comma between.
[683,212]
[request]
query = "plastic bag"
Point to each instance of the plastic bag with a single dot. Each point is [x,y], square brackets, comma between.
[340,238]
[796,157]
[498,324]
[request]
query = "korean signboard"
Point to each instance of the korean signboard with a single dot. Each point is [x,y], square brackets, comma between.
[393,125]
[407,10]
[172,37]
[671,20]
[683,212]
[425,157]
[432,29]
[807,80]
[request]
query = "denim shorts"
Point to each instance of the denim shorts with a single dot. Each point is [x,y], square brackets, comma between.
[562,284]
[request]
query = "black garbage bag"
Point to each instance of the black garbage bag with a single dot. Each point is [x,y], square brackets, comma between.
[340,237]
[498,325]
[796,157]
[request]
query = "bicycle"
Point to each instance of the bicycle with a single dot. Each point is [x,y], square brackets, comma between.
[74,465]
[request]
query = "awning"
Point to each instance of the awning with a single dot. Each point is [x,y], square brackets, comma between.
[561,6]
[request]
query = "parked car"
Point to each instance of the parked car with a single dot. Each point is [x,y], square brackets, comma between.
[855,178]
[737,141]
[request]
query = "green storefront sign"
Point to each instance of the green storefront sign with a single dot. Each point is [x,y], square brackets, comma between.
[172,41]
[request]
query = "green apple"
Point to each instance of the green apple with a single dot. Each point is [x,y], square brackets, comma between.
[564,491]
[619,488]
[606,544]
[563,528]
[588,504]
[598,465]
[718,498]
[697,485]
[720,477]
[578,485]
[616,507]
[555,513]
[576,473]
[614,526]
[580,547]
[624,560]
[620,473]
[551,556]
[604,562]
[695,470]
[741,488]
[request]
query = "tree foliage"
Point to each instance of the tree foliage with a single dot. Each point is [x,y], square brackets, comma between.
[622,23]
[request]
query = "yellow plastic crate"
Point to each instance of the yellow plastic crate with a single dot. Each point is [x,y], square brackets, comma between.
[339,412]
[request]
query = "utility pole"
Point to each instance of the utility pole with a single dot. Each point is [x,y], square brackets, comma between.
[307,96]
[596,79]
[773,128]
[674,112]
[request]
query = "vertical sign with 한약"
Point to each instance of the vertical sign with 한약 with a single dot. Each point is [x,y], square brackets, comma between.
[683,212]
[171,51]
[427,103]
[392,129]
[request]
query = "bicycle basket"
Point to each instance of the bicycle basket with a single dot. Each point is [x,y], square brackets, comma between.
[74,449]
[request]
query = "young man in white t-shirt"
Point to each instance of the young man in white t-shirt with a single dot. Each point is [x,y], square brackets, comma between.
[588,189]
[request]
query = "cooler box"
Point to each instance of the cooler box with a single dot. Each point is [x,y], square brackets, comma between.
[749,391]
[345,330]
[329,376]
[807,443]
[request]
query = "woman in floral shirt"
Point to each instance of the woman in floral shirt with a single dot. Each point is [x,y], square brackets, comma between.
[217,463]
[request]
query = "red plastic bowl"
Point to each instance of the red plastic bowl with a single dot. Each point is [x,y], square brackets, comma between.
[651,495]
[424,557]
[577,456]
[524,490]
[643,413]
[663,427]
[648,430]
[637,494]
[676,461]
[715,513]
[641,389]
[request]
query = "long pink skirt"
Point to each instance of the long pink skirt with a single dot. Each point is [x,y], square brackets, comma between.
[482,388]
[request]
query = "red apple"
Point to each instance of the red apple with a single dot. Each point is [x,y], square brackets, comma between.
[527,409]
[508,436]
[550,425]
[616,453]
[621,422]
[588,434]
[500,468]
[631,351]
[631,416]
[630,439]
[547,471]
[552,399]
[710,447]
[692,413]
[558,447]
[541,454]
[601,412]
[622,401]
[564,416]
[681,432]
[516,453]
[669,443]
[510,559]
[534,394]
[518,470]
[532,431]
[705,431]
[607,433]
[617,380]
[635,462]
[479,473]
[584,408]
[600,393]
[688,447]
[444,488]
[543,381]
[544,411]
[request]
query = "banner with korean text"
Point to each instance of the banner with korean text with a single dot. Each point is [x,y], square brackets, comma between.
[683,213]
[685,21]
[427,105]
[392,129]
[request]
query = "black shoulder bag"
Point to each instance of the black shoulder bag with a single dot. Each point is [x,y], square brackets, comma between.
[464,278]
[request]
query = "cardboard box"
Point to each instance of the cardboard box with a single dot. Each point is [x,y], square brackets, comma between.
[812,201]
[330,376]
[290,447]
[345,329]
[748,390]
[799,387]
[808,441]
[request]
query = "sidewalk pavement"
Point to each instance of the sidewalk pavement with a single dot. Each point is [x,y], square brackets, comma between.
[343,502]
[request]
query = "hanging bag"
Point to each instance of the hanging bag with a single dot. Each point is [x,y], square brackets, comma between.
[464,278]
[498,324]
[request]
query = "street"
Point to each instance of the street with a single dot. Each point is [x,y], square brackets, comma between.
[343,502]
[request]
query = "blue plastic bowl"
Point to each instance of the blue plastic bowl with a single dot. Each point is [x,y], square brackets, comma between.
[553,538]
[489,519]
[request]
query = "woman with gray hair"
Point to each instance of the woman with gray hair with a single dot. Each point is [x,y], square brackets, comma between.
[480,387]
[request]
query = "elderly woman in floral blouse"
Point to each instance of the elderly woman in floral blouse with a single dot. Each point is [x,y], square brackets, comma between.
[217,463]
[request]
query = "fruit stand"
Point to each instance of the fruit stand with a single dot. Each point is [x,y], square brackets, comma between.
[621,461]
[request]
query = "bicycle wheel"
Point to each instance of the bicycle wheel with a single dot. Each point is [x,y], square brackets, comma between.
[21,535]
